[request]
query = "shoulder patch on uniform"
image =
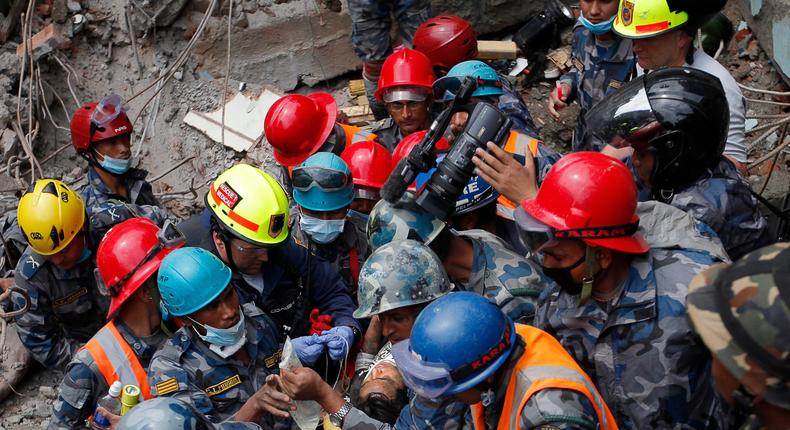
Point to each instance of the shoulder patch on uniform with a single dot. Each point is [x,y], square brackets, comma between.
[274,359]
[166,387]
[223,386]
[30,263]
[578,64]
[615,84]
[71,298]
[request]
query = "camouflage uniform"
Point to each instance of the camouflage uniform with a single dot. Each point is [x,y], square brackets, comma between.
[96,192]
[66,308]
[721,199]
[513,105]
[371,24]
[638,348]
[83,385]
[753,293]
[509,280]
[388,132]
[187,370]
[599,68]
[338,252]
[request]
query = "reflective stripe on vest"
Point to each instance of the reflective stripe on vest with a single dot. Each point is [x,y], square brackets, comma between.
[518,144]
[544,364]
[116,360]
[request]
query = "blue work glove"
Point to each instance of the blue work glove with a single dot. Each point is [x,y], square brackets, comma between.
[308,348]
[339,340]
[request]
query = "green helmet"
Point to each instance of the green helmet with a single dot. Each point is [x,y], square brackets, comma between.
[400,274]
[742,313]
[404,219]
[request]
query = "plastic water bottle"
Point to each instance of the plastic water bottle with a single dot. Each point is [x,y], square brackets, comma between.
[110,402]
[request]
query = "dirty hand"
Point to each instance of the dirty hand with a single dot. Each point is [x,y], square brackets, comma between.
[111,417]
[371,343]
[303,384]
[272,399]
[557,103]
[513,180]
[308,348]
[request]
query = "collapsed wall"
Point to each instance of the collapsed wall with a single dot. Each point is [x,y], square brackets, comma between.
[770,21]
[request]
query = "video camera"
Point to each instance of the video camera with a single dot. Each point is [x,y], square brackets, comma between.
[486,123]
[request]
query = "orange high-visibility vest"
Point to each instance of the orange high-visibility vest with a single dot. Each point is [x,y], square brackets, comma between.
[116,360]
[518,144]
[544,364]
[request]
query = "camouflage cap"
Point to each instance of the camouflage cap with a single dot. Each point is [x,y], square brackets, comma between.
[400,274]
[401,220]
[742,313]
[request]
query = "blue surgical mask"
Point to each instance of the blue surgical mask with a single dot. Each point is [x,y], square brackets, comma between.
[359,215]
[223,336]
[116,166]
[600,28]
[86,254]
[322,231]
[164,312]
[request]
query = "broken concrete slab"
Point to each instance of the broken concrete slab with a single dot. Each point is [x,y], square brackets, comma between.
[288,43]
[243,120]
[770,22]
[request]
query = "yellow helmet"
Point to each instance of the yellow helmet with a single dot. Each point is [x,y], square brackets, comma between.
[639,19]
[50,214]
[251,204]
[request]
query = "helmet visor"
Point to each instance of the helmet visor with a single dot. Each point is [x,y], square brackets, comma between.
[621,119]
[429,380]
[405,94]
[108,109]
[535,234]
[305,178]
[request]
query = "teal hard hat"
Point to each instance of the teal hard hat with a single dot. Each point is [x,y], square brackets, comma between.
[191,278]
[488,81]
[323,183]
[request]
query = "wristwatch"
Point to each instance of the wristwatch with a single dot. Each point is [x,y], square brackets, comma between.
[337,417]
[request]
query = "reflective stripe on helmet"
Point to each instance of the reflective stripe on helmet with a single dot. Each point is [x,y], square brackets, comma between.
[244,222]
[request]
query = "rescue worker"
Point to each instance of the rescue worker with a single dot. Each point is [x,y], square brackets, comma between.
[475,260]
[56,270]
[663,37]
[404,89]
[371,26]
[619,305]
[126,263]
[514,375]
[370,165]
[742,311]
[678,132]
[451,40]
[601,60]
[245,224]
[101,133]
[164,413]
[323,192]
[220,357]
[527,152]
[397,282]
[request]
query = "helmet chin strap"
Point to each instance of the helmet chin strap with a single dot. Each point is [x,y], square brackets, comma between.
[592,267]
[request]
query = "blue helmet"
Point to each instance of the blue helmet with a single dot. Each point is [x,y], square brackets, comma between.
[323,183]
[475,195]
[489,82]
[457,341]
[164,413]
[191,278]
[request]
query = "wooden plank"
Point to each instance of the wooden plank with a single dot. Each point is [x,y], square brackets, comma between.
[496,50]
[356,87]
[358,115]
[8,24]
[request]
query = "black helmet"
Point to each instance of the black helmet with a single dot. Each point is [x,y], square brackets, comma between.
[681,112]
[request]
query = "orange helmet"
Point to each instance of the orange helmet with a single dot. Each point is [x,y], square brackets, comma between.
[296,126]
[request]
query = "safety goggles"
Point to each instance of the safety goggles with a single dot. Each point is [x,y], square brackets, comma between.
[432,380]
[109,108]
[538,236]
[169,236]
[305,178]
[444,89]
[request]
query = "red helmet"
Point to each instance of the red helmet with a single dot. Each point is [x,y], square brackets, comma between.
[296,126]
[408,143]
[586,193]
[406,67]
[123,261]
[370,163]
[83,134]
[446,40]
